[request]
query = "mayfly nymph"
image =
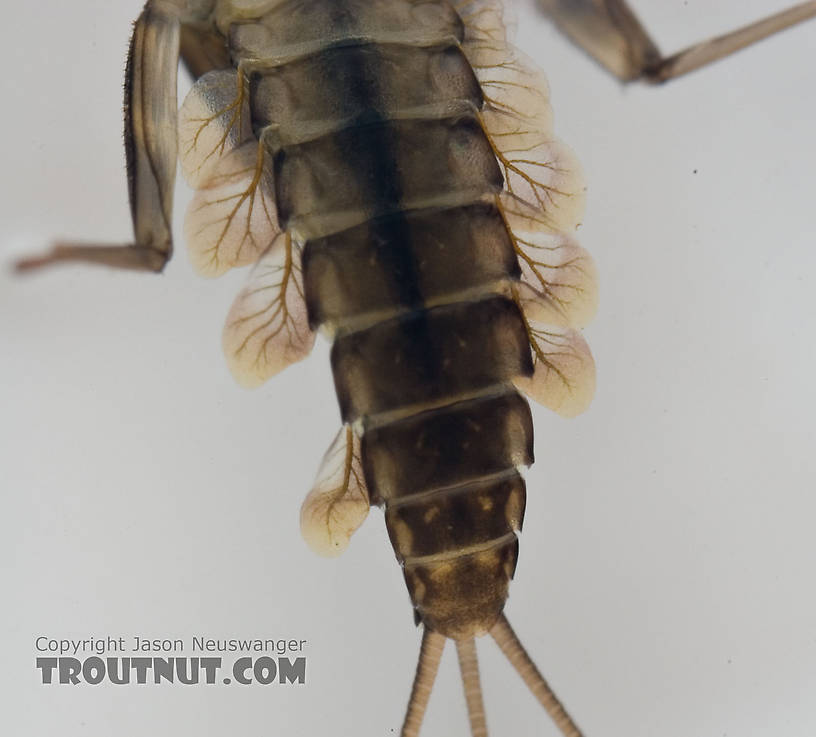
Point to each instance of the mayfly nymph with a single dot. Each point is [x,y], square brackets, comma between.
[389,168]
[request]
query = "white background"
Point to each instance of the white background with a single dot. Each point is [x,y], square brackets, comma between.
[665,583]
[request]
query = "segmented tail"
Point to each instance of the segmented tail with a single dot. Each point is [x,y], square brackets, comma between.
[430,653]
[510,645]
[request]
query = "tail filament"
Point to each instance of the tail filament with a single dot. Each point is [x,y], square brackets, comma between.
[430,652]
[469,667]
[514,651]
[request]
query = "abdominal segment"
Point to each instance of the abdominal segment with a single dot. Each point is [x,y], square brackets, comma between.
[409,159]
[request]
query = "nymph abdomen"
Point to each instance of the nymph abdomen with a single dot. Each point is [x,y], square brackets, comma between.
[427,338]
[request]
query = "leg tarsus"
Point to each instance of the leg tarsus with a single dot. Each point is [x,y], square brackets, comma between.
[135,258]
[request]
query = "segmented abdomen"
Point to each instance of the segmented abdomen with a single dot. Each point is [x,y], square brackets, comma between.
[426,341]
[385,173]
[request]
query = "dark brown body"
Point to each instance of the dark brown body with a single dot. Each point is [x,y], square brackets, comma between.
[349,151]
[407,262]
